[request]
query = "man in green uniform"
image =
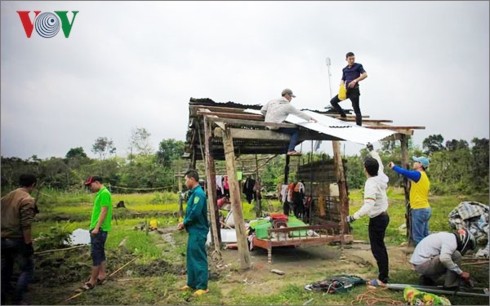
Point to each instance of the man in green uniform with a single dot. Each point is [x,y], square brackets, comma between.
[196,224]
[100,225]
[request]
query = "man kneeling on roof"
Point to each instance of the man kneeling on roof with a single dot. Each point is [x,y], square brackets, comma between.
[276,111]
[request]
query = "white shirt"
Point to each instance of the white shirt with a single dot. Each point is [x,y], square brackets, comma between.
[442,244]
[375,199]
[278,110]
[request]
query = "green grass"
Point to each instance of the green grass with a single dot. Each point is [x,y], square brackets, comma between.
[441,206]
[150,248]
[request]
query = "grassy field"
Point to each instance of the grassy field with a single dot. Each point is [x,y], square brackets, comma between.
[159,265]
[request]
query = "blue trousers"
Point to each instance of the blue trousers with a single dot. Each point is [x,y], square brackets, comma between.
[420,223]
[12,252]
[294,137]
[197,261]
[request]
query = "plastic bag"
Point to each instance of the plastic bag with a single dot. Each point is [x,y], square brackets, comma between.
[342,92]
[416,297]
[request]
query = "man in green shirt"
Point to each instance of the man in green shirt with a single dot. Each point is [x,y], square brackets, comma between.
[196,224]
[100,225]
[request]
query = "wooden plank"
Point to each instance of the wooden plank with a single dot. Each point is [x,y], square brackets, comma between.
[240,122]
[272,136]
[395,127]
[406,187]
[225,109]
[366,120]
[211,186]
[344,200]
[253,134]
[246,116]
[235,199]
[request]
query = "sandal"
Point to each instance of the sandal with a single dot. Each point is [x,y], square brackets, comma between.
[87,286]
[376,283]
[101,281]
[294,153]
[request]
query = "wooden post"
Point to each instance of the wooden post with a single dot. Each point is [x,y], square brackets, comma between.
[193,159]
[179,179]
[344,201]
[236,204]
[211,185]
[406,187]
[286,170]
[258,212]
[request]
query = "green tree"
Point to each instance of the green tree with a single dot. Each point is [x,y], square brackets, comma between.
[433,143]
[103,146]
[139,142]
[480,164]
[169,150]
[76,152]
[454,144]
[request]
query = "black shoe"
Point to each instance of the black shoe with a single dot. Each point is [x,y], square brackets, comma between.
[426,281]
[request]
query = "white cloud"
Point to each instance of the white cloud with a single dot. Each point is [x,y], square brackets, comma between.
[136,64]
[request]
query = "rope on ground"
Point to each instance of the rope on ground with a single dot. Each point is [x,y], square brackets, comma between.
[375,296]
[129,188]
[64,249]
[107,277]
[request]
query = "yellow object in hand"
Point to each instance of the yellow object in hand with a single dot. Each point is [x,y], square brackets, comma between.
[342,92]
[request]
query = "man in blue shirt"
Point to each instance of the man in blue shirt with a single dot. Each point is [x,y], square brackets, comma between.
[352,74]
[196,224]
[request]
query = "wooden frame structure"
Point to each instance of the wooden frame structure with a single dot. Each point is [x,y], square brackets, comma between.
[223,131]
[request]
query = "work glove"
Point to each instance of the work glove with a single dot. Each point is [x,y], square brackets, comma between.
[369,146]
[350,219]
[28,250]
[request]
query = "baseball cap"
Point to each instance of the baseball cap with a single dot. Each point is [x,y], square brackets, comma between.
[423,160]
[288,91]
[92,179]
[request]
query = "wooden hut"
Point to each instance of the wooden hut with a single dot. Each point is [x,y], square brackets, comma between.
[224,131]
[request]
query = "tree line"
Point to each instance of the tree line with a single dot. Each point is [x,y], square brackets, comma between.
[456,166]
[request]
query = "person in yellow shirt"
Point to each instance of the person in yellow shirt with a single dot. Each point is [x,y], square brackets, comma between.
[419,196]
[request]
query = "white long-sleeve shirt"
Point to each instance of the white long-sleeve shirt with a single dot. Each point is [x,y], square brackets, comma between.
[442,244]
[375,199]
[278,110]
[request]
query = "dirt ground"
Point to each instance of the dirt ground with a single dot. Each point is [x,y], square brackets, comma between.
[142,283]
[301,264]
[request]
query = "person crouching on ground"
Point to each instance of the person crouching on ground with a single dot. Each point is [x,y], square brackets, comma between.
[100,225]
[440,254]
[196,224]
[375,206]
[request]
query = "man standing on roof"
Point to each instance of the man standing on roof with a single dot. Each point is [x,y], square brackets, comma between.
[197,225]
[440,254]
[419,196]
[277,111]
[352,74]
[376,207]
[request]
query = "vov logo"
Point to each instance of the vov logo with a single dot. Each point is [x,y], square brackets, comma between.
[47,24]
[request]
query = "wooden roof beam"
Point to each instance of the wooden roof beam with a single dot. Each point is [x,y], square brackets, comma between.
[248,123]
[245,116]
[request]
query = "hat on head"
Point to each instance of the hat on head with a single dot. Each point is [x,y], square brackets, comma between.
[288,91]
[423,160]
[92,179]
